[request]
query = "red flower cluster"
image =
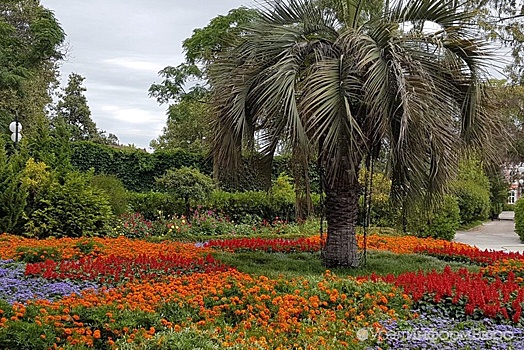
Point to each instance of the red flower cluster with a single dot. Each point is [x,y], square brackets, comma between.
[115,269]
[494,299]
[452,251]
[309,244]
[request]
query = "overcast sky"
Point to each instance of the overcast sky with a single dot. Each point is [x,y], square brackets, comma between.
[120,45]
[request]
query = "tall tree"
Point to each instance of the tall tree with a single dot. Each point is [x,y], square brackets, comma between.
[331,76]
[73,110]
[508,102]
[500,21]
[188,110]
[30,47]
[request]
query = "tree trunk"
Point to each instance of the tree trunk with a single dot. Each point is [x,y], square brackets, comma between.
[341,249]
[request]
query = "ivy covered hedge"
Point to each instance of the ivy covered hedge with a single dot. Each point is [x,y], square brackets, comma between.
[138,169]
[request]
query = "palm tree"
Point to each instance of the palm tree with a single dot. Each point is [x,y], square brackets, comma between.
[326,75]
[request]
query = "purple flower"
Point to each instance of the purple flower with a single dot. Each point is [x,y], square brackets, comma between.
[16,287]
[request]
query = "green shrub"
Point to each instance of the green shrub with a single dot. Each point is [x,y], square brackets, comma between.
[508,207]
[519,218]
[154,204]
[382,212]
[243,207]
[473,191]
[498,193]
[250,207]
[441,223]
[138,169]
[71,209]
[473,201]
[13,193]
[114,190]
[187,183]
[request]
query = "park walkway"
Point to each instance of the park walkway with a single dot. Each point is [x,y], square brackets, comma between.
[493,235]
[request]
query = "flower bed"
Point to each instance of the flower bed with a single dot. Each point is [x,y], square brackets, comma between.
[118,291]
[466,293]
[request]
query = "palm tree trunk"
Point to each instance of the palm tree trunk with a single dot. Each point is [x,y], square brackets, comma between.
[341,214]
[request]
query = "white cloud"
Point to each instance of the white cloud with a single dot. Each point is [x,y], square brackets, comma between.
[134,115]
[134,64]
[119,46]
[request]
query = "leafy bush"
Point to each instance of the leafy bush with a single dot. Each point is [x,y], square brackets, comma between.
[187,183]
[472,189]
[508,207]
[200,223]
[382,212]
[13,193]
[250,207]
[71,209]
[114,190]
[282,197]
[519,218]
[473,201]
[154,204]
[441,223]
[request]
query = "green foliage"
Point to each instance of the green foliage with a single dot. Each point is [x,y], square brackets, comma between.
[72,109]
[37,254]
[382,213]
[508,207]
[473,201]
[133,226]
[37,179]
[153,204]
[205,43]
[519,218]
[50,144]
[187,127]
[87,246]
[187,183]
[13,193]
[441,222]
[30,45]
[282,197]
[244,207]
[69,209]
[241,207]
[136,168]
[498,194]
[114,190]
[473,192]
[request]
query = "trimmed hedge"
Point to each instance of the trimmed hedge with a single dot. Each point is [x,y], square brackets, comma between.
[138,169]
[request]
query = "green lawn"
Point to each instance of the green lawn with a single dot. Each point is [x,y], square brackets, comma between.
[292,265]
